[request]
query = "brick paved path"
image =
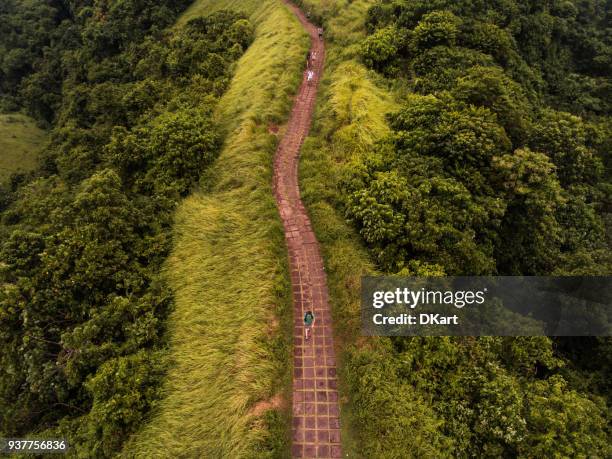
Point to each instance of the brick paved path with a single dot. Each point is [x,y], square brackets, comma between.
[316,424]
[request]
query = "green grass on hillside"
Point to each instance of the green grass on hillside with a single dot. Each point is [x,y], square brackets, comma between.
[343,21]
[205,7]
[20,141]
[230,333]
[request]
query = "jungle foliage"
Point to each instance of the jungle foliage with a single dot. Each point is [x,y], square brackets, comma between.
[497,163]
[83,238]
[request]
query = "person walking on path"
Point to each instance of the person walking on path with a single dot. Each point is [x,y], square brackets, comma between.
[309,320]
[308,58]
[320,31]
[310,76]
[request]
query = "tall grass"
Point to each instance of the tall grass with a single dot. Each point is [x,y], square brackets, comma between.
[350,118]
[20,142]
[227,389]
[206,7]
[344,23]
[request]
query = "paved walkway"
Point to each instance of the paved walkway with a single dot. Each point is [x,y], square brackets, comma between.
[316,424]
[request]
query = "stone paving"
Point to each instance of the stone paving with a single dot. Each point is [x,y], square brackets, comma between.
[316,421]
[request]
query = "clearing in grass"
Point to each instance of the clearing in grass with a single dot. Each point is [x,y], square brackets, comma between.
[20,141]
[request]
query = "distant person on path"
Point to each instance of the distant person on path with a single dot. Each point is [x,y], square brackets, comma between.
[308,57]
[320,30]
[309,320]
[310,76]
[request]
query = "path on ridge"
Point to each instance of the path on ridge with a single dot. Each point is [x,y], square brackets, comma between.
[316,423]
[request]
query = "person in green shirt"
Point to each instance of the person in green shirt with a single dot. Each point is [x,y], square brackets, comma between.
[309,320]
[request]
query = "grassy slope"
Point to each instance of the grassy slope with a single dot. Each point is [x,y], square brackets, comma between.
[20,141]
[349,119]
[229,335]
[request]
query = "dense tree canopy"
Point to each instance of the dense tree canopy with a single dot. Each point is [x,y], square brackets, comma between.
[82,240]
[498,162]
[491,397]
[494,83]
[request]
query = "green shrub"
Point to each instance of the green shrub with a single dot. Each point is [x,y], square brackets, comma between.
[390,415]
[439,28]
[123,390]
[382,50]
[168,154]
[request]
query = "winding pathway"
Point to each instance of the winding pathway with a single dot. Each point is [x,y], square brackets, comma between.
[316,423]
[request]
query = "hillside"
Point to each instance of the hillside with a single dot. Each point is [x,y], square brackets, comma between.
[370,147]
[132,106]
[227,390]
[182,258]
